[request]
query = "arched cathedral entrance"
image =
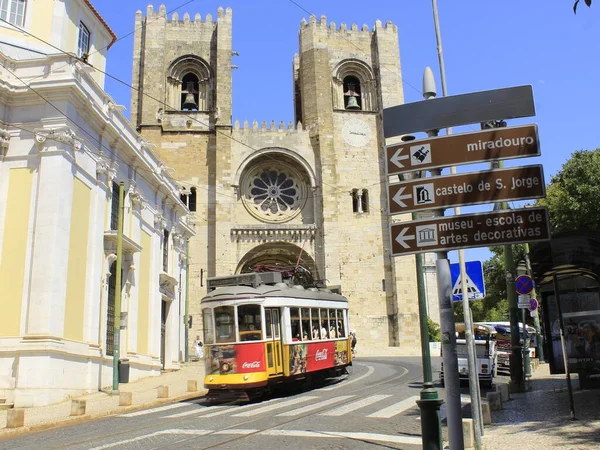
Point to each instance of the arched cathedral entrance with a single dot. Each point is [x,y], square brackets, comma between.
[281,257]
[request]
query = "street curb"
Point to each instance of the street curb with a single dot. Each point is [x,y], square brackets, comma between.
[6,433]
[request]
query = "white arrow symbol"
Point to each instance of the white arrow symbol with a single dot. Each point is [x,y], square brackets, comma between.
[397,158]
[401,239]
[399,197]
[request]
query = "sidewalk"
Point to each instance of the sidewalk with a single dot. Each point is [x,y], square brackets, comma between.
[540,417]
[144,394]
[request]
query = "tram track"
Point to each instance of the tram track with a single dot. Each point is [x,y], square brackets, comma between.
[167,423]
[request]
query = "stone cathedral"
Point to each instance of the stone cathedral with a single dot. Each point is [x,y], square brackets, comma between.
[311,193]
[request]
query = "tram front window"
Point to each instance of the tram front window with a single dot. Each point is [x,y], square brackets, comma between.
[249,322]
[209,331]
[225,324]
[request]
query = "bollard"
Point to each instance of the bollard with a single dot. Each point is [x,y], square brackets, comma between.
[78,407]
[15,418]
[468,433]
[192,385]
[163,392]
[486,412]
[125,398]
[504,392]
[495,400]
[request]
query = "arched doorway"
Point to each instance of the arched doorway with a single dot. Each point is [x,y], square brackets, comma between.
[283,257]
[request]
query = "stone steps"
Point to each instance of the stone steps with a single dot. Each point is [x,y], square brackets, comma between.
[4,405]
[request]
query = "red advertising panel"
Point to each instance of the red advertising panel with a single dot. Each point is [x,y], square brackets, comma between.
[251,358]
[320,356]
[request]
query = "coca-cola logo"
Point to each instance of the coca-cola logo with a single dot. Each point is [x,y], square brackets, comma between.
[251,365]
[321,355]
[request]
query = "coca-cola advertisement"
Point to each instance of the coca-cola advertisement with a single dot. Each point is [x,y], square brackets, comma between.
[320,356]
[230,359]
[250,358]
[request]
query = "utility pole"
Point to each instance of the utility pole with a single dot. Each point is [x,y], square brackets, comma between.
[476,412]
[522,270]
[448,328]
[429,402]
[516,360]
[119,265]
[539,351]
[187,301]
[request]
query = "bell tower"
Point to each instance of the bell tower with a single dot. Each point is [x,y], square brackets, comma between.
[343,78]
[181,106]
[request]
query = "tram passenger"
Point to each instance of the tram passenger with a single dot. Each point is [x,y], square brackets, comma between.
[332,330]
[315,333]
[324,330]
[305,335]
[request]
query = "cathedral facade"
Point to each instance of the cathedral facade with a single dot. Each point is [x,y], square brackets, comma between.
[311,194]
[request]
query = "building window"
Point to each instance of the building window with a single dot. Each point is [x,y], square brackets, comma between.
[364,201]
[165,251]
[360,201]
[83,42]
[189,200]
[13,11]
[188,85]
[110,313]
[114,207]
[352,98]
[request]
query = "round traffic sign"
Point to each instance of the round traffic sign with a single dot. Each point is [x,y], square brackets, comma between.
[533,304]
[524,284]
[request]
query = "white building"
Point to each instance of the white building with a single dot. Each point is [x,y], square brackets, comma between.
[65,146]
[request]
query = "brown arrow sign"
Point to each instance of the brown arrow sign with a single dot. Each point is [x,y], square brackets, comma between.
[470,230]
[466,148]
[517,183]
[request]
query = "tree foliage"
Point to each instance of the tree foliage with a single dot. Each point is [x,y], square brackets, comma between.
[433,329]
[587,2]
[573,196]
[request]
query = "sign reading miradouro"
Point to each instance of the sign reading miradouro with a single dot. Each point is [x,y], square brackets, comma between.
[466,148]
[470,230]
[473,188]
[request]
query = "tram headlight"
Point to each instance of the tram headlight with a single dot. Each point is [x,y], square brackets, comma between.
[211,379]
[246,377]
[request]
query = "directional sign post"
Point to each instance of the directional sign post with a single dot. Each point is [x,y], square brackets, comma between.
[470,230]
[466,189]
[465,148]
[454,110]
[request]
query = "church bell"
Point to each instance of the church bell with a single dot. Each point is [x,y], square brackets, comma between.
[352,103]
[189,102]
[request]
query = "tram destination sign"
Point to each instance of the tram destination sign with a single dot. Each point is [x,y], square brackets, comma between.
[517,183]
[470,230]
[465,148]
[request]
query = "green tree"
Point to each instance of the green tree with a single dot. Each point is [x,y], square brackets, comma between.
[573,195]
[587,2]
[433,328]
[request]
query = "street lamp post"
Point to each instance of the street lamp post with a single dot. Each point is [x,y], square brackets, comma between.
[522,270]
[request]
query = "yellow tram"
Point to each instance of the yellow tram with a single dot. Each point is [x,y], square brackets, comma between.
[260,331]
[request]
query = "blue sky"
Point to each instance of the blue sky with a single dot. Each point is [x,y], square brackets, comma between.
[487,45]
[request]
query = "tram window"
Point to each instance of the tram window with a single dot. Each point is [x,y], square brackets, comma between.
[269,330]
[324,322]
[249,322]
[306,328]
[207,323]
[295,324]
[314,320]
[333,331]
[225,324]
[340,323]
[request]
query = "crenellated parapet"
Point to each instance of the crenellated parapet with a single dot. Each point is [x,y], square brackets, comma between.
[186,18]
[322,24]
[264,127]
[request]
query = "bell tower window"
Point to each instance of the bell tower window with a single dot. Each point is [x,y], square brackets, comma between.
[189,92]
[352,98]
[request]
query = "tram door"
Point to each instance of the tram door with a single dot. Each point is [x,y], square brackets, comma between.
[274,347]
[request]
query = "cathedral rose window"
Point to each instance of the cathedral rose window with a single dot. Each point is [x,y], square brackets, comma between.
[274,194]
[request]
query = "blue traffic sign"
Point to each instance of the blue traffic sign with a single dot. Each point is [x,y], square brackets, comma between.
[524,284]
[475,283]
